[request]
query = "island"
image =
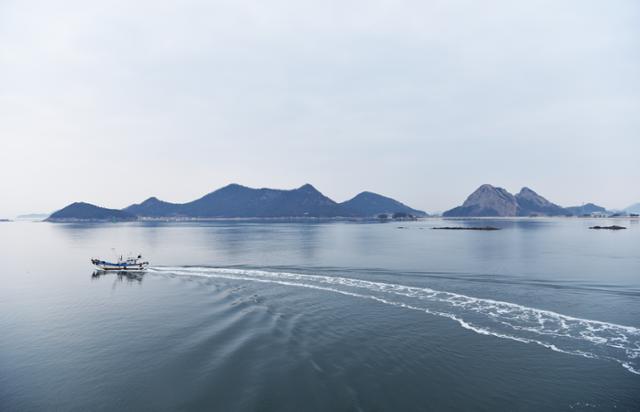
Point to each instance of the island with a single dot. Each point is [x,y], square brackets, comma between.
[633,209]
[237,201]
[81,212]
[612,227]
[33,216]
[492,201]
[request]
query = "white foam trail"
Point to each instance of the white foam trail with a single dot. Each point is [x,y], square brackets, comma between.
[560,333]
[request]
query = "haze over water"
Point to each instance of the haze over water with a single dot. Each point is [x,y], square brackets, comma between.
[252,315]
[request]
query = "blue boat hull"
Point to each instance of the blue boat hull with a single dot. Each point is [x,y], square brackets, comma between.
[120,266]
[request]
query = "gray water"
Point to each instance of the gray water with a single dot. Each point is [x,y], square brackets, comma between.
[541,315]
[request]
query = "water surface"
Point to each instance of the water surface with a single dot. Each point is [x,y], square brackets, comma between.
[233,315]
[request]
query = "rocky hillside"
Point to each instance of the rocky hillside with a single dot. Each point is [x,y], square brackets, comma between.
[373,204]
[532,204]
[586,209]
[236,201]
[81,211]
[487,200]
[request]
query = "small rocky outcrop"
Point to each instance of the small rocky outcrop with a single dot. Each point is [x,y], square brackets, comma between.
[487,228]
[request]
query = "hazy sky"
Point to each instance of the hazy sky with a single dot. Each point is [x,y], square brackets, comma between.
[111,102]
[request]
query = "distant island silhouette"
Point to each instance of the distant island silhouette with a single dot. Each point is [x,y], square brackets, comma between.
[237,201]
[491,201]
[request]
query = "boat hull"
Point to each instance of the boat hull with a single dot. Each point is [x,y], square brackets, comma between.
[128,268]
[120,267]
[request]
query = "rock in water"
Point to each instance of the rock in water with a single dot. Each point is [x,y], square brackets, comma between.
[486,228]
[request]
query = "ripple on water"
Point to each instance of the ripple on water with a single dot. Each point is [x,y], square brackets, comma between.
[560,333]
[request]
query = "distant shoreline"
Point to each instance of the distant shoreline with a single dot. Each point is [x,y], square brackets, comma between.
[329,219]
[306,203]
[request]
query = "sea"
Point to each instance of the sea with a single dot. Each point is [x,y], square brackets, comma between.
[233,315]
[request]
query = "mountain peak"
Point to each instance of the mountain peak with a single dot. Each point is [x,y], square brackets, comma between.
[486,186]
[86,211]
[487,200]
[366,194]
[231,186]
[373,204]
[585,209]
[308,187]
[491,194]
[237,201]
[531,203]
[240,201]
[526,193]
[151,207]
[530,194]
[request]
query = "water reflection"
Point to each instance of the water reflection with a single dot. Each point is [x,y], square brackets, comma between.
[120,275]
[83,232]
[239,240]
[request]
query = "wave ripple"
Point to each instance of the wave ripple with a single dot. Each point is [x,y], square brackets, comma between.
[561,333]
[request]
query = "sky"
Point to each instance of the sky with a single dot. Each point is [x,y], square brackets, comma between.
[112,102]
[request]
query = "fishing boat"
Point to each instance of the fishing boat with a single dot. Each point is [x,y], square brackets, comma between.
[128,264]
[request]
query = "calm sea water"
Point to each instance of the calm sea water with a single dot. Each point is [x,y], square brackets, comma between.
[335,316]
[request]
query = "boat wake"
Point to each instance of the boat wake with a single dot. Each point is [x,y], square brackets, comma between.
[560,333]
